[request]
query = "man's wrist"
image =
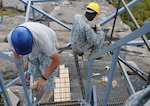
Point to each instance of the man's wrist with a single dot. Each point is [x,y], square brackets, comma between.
[43,78]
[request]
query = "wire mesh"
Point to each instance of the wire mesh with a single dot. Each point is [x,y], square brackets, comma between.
[118,94]
[68,89]
[65,103]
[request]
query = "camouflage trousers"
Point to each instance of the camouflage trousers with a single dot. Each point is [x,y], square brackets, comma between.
[140,98]
[37,65]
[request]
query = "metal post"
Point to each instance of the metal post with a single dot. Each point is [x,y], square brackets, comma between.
[126,76]
[13,82]
[94,96]
[120,11]
[4,91]
[49,16]
[89,80]
[33,13]
[148,80]
[79,75]
[22,77]
[111,75]
[31,81]
[28,10]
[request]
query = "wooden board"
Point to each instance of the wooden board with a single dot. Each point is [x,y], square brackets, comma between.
[62,90]
[13,98]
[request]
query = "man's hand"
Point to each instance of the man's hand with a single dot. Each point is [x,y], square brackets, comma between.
[41,84]
[94,28]
[97,26]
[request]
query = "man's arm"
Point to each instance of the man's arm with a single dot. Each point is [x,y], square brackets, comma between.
[55,62]
[90,35]
[51,68]
[17,57]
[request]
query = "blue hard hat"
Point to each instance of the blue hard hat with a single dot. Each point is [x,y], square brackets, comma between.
[22,40]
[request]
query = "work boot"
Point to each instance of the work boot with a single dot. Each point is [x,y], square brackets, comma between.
[34,85]
[92,53]
[46,97]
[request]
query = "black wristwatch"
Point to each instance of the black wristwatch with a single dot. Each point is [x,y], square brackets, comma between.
[43,78]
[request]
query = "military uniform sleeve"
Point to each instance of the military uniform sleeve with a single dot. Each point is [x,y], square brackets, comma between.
[100,35]
[90,35]
[95,37]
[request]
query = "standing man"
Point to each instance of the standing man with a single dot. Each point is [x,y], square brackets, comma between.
[85,37]
[39,41]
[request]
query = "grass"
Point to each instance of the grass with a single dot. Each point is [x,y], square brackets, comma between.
[10,12]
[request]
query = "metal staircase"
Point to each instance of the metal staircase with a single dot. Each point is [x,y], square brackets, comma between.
[87,87]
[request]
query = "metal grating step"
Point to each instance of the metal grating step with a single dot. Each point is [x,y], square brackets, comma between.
[65,103]
[118,95]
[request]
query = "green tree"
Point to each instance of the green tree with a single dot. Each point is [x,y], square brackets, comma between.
[141,12]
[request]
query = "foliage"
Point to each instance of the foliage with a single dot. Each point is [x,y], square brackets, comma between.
[141,12]
[10,12]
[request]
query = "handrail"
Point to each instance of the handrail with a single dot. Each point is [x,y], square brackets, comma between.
[136,24]
[46,0]
[46,14]
[113,47]
[120,11]
[137,33]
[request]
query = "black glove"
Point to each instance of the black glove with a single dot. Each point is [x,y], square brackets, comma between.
[94,28]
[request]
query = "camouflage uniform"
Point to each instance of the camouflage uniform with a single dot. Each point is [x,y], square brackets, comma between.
[44,45]
[38,62]
[37,65]
[140,98]
[84,37]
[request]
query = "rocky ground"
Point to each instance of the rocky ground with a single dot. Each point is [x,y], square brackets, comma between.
[64,11]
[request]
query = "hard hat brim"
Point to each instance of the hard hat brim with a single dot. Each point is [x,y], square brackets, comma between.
[25,52]
[94,6]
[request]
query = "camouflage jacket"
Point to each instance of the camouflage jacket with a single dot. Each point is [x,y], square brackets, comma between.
[83,36]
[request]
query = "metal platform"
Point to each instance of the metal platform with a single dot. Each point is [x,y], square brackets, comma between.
[85,74]
[118,94]
[65,103]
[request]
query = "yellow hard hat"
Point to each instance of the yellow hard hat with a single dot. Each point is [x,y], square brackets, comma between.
[94,6]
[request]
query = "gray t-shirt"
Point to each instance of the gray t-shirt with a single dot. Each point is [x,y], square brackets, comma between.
[44,38]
